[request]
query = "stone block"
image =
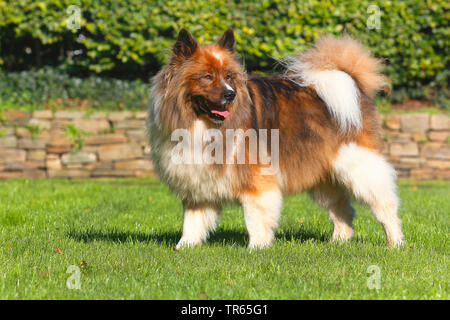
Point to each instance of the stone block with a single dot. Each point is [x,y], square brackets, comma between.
[404,149]
[129,124]
[27,143]
[393,121]
[34,174]
[8,142]
[69,115]
[438,135]
[111,138]
[120,115]
[12,155]
[415,122]
[91,125]
[68,173]
[40,123]
[114,152]
[78,158]
[111,173]
[53,162]
[436,150]
[36,155]
[440,122]
[139,164]
[43,114]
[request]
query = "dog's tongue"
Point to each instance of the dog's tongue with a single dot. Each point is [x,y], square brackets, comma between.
[224,113]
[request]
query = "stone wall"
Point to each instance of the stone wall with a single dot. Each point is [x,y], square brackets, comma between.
[77,144]
[73,144]
[418,144]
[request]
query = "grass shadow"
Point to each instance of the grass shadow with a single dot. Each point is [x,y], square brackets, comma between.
[302,235]
[167,238]
[170,239]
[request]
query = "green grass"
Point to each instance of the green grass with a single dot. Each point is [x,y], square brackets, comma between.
[122,234]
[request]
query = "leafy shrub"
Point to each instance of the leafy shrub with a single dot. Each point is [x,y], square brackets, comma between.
[52,88]
[76,136]
[130,39]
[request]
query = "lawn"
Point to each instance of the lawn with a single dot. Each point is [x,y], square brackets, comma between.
[121,234]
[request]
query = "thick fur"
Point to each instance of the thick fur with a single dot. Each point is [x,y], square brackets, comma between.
[350,56]
[342,66]
[329,136]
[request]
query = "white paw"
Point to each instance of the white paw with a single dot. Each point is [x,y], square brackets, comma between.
[394,238]
[260,244]
[187,243]
[398,243]
[342,235]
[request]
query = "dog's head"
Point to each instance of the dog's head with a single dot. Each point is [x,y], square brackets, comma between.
[209,75]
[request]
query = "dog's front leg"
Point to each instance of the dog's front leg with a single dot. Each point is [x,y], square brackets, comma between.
[199,222]
[261,214]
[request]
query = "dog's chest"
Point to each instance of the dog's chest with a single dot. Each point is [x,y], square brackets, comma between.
[190,180]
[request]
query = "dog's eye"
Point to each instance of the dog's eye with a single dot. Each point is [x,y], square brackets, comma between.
[208,76]
[228,77]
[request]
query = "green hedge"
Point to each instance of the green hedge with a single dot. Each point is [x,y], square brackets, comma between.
[130,39]
[52,89]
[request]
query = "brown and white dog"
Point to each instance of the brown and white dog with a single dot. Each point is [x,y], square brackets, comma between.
[328,137]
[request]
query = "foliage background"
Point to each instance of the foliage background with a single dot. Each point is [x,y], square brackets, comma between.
[131,39]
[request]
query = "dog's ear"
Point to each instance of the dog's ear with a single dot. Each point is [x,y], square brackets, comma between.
[185,45]
[227,41]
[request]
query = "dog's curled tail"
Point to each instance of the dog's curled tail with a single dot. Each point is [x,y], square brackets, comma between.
[338,69]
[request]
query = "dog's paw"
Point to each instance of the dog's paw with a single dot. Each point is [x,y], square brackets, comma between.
[395,239]
[259,245]
[186,243]
[398,243]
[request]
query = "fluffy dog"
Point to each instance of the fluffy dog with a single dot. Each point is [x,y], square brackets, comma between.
[319,120]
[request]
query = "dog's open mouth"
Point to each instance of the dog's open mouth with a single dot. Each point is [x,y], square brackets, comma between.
[216,112]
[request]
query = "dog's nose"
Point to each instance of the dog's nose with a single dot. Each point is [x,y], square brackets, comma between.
[229,95]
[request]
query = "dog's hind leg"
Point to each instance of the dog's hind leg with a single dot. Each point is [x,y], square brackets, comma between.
[372,180]
[336,201]
[261,213]
[198,223]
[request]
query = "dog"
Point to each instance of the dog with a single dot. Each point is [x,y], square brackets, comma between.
[323,126]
